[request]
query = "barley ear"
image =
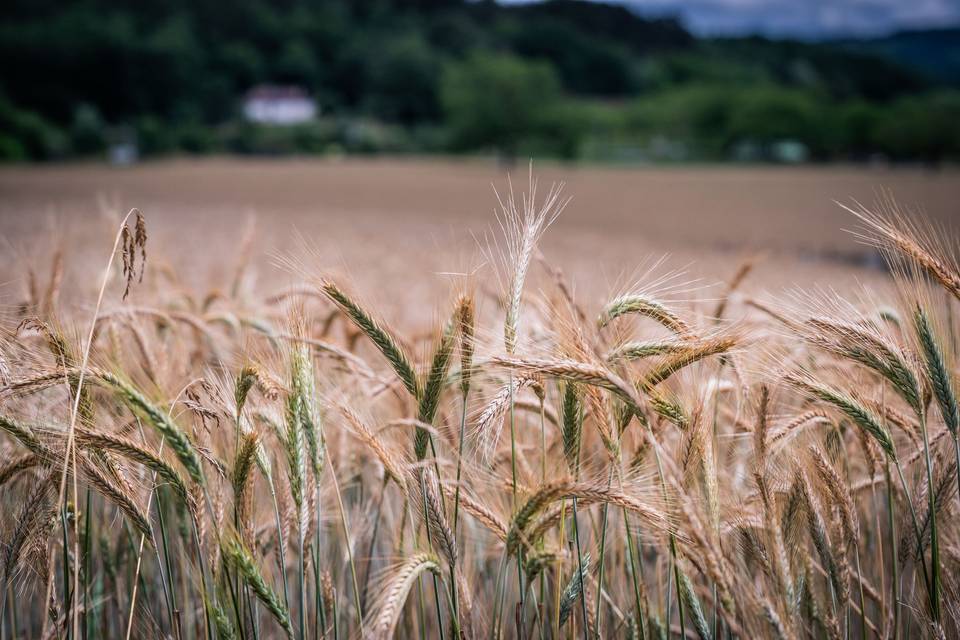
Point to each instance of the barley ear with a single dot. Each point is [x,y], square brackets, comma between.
[573,592]
[397,588]
[937,371]
[246,566]
[693,606]
[430,398]
[467,329]
[639,304]
[572,424]
[847,405]
[378,335]
[159,420]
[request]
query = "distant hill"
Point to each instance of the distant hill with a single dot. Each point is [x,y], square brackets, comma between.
[934,52]
[560,77]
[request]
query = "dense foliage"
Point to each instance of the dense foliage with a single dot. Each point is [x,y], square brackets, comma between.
[567,78]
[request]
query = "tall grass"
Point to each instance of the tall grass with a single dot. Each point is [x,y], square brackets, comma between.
[295,466]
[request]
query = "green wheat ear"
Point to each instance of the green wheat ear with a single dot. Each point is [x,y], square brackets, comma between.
[572,424]
[694,608]
[572,592]
[848,406]
[240,557]
[386,343]
[641,305]
[430,399]
[159,420]
[936,367]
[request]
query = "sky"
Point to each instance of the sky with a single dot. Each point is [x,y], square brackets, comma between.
[803,18]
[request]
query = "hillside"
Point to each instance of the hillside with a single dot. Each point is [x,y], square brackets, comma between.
[566,78]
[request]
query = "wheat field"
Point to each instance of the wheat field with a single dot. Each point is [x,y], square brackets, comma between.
[526,459]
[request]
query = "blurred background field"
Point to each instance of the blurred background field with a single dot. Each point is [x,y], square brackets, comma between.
[404,225]
[623,83]
[711,130]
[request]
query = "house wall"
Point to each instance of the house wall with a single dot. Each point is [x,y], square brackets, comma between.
[280,111]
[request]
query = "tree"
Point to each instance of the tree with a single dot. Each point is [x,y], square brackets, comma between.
[501,102]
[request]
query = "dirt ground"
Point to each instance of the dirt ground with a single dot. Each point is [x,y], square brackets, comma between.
[405,225]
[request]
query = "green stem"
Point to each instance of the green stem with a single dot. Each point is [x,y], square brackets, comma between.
[280,545]
[673,543]
[373,541]
[513,479]
[583,594]
[956,451]
[172,598]
[603,549]
[86,563]
[456,497]
[436,582]
[916,526]
[346,539]
[300,580]
[66,574]
[318,596]
[895,561]
[934,538]
[641,625]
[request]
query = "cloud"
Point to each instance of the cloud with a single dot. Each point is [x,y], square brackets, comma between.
[803,18]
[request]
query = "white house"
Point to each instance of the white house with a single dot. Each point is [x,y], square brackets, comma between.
[268,104]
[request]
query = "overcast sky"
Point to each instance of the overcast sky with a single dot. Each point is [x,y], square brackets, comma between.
[803,18]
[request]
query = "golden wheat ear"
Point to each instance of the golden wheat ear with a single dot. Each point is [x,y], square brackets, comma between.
[892,231]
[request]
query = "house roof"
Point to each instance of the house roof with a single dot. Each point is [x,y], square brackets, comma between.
[277,92]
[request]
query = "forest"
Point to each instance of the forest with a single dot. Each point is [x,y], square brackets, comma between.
[565,79]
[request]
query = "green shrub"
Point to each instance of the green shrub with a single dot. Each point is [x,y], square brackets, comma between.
[29,135]
[87,131]
[507,104]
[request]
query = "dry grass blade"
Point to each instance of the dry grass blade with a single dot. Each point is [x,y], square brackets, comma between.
[440,529]
[522,230]
[119,496]
[653,519]
[489,423]
[467,327]
[480,513]
[25,521]
[821,540]
[839,494]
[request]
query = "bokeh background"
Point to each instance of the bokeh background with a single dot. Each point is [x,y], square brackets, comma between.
[647,80]
[372,131]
